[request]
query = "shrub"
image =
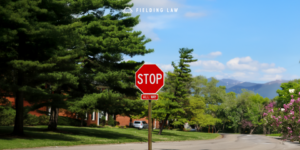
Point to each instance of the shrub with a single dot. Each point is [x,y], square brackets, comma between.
[124,127]
[31,120]
[69,121]
[116,126]
[93,125]
[7,115]
[44,120]
[111,121]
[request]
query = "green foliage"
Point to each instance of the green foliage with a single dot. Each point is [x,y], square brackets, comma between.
[7,115]
[174,98]
[93,125]
[111,121]
[284,95]
[69,121]
[44,120]
[31,120]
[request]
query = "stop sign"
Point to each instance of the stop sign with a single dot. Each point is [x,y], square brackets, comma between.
[149,78]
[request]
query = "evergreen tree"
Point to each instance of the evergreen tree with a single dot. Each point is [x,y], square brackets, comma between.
[107,40]
[182,77]
[35,37]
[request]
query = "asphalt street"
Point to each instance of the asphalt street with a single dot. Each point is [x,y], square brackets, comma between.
[229,142]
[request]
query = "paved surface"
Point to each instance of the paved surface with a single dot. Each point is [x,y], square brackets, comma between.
[229,142]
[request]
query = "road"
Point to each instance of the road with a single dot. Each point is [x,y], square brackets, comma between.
[229,142]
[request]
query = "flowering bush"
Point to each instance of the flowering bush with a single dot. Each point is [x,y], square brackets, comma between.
[286,121]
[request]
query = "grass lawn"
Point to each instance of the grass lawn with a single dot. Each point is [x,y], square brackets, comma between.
[70,135]
[275,134]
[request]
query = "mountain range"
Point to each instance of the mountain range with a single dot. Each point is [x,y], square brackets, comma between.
[265,90]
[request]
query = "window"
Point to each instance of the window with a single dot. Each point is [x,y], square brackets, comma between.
[86,116]
[93,116]
[137,122]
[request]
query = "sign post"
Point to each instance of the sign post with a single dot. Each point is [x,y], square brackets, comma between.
[149,79]
[149,126]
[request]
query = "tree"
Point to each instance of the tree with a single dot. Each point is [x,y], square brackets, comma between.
[255,111]
[287,121]
[35,33]
[284,94]
[107,40]
[182,77]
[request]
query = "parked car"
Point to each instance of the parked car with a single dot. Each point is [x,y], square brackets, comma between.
[140,124]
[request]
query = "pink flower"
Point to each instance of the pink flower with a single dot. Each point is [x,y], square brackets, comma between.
[292,112]
[265,114]
[285,117]
[288,128]
[292,96]
[293,118]
[291,131]
[298,121]
[299,93]
[286,107]
[292,100]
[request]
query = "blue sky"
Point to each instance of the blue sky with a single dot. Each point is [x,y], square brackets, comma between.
[254,41]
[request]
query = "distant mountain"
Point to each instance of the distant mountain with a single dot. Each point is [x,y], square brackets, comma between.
[227,82]
[265,90]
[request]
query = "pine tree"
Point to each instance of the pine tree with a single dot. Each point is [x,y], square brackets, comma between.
[34,38]
[181,77]
[107,40]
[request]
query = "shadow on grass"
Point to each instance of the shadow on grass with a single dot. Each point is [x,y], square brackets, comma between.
[31,134]
[66,133]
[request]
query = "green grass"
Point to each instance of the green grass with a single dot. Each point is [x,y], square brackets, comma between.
[87,135]
[274,134]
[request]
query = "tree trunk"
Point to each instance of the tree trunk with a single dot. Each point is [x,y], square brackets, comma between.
[269,130]
[82,119]
[240,129]
[197,128]
[215,129]
[163,124]
[52,126]
[264,129]
[19,97]
[130,121]
[104,121]
[223,127]
[251,130]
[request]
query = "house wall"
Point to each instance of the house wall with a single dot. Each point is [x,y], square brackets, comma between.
[125,120]
[89,120]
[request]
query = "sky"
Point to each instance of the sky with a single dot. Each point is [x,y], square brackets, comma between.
[249,41]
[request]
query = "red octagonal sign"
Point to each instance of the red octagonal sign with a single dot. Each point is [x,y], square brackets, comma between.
[149,78]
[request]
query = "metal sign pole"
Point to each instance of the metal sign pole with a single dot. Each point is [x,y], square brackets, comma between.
[149,126]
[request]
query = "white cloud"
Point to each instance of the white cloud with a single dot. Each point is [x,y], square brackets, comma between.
[243,63]
[208,66]
[247,64]
[166,68]
[241,76]
[192,14]
[275,70]
[150,23]
[268,77]
[210,55]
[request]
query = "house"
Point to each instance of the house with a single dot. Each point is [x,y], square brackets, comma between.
[91,118]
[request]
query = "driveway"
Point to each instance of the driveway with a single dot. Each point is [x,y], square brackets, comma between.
[229,142]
